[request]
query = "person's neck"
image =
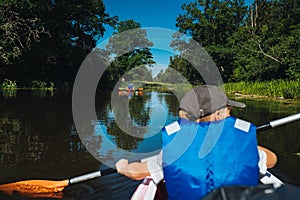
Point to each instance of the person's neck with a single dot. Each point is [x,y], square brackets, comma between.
[216,116]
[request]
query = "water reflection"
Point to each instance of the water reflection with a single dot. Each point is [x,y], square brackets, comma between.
[38,138]
[43,93]
[11,147]
[283,140]
[7,94]
[131,115]
[131,125]
[35,140]
[75,145]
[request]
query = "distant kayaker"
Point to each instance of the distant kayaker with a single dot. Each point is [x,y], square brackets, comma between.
[130,87]
[205,149]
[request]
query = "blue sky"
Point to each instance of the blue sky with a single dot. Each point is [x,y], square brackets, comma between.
[149,13]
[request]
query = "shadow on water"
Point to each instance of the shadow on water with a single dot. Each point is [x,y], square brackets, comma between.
[38,139]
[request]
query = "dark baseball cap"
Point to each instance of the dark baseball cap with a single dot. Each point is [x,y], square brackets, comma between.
[205,100]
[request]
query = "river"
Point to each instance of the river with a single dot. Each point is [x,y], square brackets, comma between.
[39,140]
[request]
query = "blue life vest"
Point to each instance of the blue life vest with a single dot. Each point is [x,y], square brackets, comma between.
[201,156]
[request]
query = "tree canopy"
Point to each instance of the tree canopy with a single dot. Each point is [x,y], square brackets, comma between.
[49,39]
[129,53]
[259,42]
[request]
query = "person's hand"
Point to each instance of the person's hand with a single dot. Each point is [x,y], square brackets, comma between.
[121,165]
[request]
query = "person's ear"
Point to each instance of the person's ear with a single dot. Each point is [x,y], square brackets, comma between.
[221,114]
[218,115]
[228,111]
[182,114]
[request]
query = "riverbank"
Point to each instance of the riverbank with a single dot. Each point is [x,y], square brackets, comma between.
[276,89]
[288,91]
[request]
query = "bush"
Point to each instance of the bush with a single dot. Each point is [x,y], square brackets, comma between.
[42,85]
[276,88]
[9,85]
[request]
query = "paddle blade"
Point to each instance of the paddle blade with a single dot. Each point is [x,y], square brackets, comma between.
[36,188]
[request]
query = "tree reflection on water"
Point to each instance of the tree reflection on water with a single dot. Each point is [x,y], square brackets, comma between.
[38,138]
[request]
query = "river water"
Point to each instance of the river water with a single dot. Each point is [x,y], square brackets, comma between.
[38,138]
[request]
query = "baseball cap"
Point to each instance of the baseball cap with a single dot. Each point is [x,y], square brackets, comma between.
[205,100]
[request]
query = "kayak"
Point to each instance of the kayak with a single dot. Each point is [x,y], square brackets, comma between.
[146,190]
[116,186]
[130,93]
[130,89]
[270,187]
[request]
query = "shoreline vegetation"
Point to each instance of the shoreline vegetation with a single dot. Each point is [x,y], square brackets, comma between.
[286,90]
[257,41]
[7,85]
[274,89]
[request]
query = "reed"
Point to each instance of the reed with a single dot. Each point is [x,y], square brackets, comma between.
[42,85]
[9,85]
[283,89]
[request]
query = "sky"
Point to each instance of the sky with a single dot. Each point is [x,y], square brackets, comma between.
[149,13]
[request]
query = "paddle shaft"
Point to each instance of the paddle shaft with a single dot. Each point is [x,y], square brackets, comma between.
[48,188]
[92,175]
[279,122]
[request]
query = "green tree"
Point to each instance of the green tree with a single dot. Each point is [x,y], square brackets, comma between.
[19,30]
[211,23]
[184,68]
[71,29]
[259,44]
[139,73]
[268,46]
[128,50]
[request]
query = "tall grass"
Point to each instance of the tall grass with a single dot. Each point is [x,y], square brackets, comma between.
[8,85]
[274,89]
[42,85]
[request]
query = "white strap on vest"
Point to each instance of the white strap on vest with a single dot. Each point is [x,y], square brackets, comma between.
[242,125]
[172,128]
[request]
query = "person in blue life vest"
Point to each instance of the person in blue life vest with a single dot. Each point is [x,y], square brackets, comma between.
[130,87]
[205,149]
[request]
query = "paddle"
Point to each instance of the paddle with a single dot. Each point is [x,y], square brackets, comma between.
[48,188]
[271,157]
[279,122]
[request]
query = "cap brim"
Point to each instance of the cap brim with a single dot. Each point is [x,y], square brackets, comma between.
[236,104]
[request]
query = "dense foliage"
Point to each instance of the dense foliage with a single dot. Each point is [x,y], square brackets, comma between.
[280,89]
[255,43]
[130,50]
[48,39]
